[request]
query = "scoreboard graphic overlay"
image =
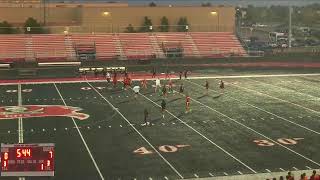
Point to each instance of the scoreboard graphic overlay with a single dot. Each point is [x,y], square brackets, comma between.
[27,159]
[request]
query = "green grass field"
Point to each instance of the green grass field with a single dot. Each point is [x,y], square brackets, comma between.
[259,125]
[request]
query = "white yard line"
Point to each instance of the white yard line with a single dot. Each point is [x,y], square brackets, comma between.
[304,94]
[129,123]
[280,117]
[243,125]
[82,138]
[298,105]
[183,122]
[20,121]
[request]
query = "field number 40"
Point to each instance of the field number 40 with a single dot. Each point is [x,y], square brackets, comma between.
[163,148]
[284,141]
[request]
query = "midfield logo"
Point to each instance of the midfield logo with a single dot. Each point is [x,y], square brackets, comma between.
[29,111]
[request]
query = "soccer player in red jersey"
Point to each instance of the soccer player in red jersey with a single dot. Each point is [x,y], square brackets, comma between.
[187,103]
[114,80]
[144,83]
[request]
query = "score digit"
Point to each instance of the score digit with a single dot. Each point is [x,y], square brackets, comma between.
[18,153]
[50,154]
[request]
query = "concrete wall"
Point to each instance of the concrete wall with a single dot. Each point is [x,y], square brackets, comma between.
[92,19]
[199,18]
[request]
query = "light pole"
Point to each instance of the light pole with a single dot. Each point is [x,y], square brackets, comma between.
[107,15]
[216,14]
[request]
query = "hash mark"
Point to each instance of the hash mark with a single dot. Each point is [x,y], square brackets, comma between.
[150,178]
[66,128]
[226,174]
[281,169]
[268,170]
[166,178]
[120,125]
[9,132]
[195,175]
[99,127]
[43,130]
[211,174]
[240,172]
[109,126]
[295,168]
[308,167]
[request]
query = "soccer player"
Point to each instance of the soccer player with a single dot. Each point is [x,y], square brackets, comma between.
[221,86]
[153,72]
[181,88]
[115,80]
[170,84]
[108,77]
[146,114]
[167,74]
[187,103]
[185,74]
[144,83]
[207,87]
[158,85]
[164,90]
[136,90]
[180,75]
[163,107]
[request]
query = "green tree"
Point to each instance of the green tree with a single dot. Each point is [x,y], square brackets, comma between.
[152,4]
[206,4]
[146,25]
[35,27]
[130,29]
[182,24]
[6,28]
[164,27]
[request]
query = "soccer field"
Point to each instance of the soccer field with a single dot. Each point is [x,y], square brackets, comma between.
[260,124]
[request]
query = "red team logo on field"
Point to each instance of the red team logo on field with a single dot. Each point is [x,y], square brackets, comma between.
[29,111]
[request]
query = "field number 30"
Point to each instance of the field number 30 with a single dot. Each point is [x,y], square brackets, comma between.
[284,141]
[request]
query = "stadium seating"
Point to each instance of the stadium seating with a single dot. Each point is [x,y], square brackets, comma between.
[49,47]
[136,45]
[53,47]
[105,44]
[12,48]
[216,44]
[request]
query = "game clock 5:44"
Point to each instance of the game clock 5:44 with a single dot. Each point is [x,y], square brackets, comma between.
[27,159]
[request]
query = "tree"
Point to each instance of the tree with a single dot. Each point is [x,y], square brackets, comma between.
[35,27]
[130,29]
[152,4]
[182,24]
[164,27]
[206,4]
[6,28]
[146,25]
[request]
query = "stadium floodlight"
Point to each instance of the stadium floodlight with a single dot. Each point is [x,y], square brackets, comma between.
[187,27]
[214,13]
[106,13]
[150,27]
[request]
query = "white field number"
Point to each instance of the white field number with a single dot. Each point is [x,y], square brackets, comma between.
[284,141]
[163,148]
[15,91]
